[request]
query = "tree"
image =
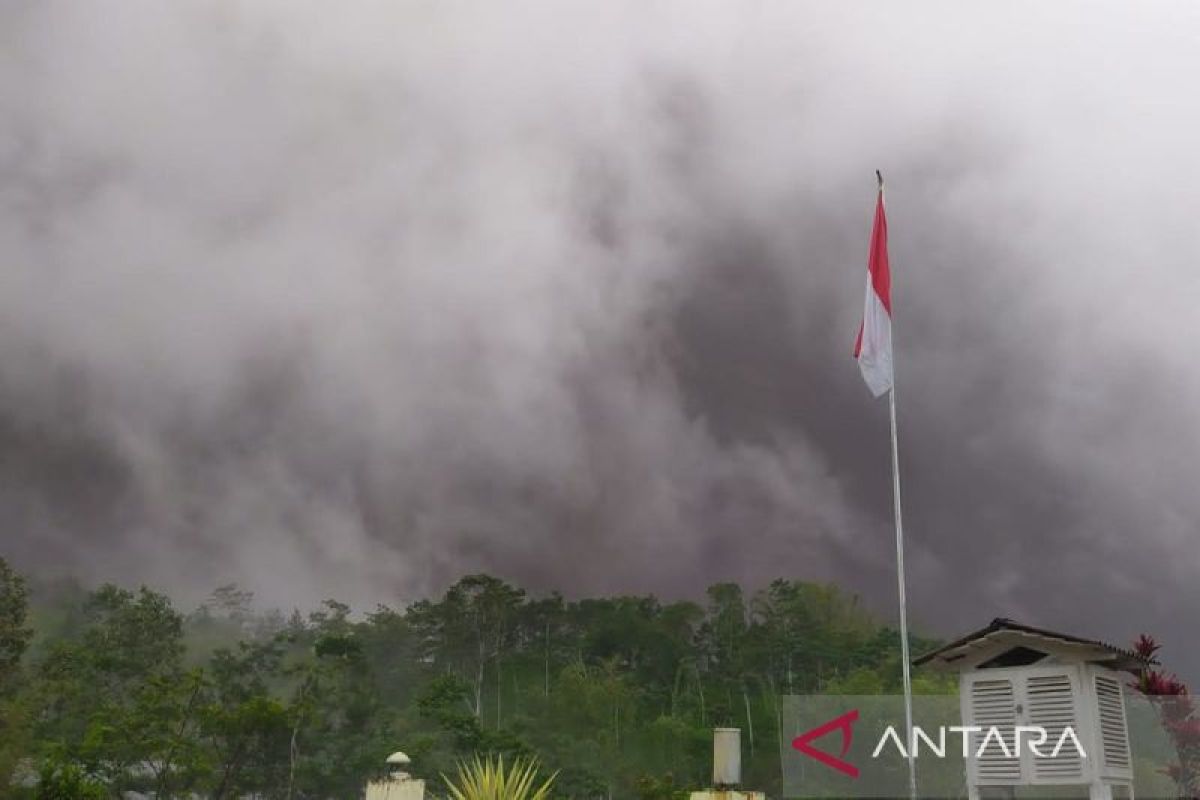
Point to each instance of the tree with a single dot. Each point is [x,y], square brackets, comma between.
[244,727]
[1178,714]
[469,629]
[14,639]
[14,634]
[617,693]
[116,699]
[341,732]
[65,781]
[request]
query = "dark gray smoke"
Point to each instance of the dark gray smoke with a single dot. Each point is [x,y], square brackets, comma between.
[351,301]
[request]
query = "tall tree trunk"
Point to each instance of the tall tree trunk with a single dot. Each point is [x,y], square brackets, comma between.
[675,688]
[774,703]
[231,770]
[617,725]
[293,754]
[164,771]
[749,718]
[479,689]
[481,661]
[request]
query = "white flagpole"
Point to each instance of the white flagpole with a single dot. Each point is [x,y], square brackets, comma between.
[904,657]
[908,715]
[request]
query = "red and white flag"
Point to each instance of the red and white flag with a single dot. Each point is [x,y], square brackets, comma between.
[873,349]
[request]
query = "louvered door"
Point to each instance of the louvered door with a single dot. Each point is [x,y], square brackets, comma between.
[1114,734]
[1052,702]
[992,701]
[1048,697]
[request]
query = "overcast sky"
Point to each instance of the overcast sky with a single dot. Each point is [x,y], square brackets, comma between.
[348,300]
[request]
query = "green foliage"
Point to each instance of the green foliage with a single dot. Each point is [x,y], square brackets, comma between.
[14,634]
[115,697]
[245,729]
[65,781]
[617,695]
[489,779]
[651,787]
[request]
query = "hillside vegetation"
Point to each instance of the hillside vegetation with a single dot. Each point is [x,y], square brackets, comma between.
[115,689]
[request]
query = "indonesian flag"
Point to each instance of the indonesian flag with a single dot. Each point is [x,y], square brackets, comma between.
[873,349]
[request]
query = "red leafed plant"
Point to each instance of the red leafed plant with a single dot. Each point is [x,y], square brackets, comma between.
[1178,714]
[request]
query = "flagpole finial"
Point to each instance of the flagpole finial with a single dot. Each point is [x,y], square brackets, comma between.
[879,177]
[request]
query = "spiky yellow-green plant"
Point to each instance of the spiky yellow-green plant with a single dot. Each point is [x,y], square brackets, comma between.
[489,779]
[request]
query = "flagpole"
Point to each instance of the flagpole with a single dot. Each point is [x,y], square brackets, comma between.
[904,657]
[908,715]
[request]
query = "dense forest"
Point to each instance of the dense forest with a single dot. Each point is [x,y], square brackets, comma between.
[111,690]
